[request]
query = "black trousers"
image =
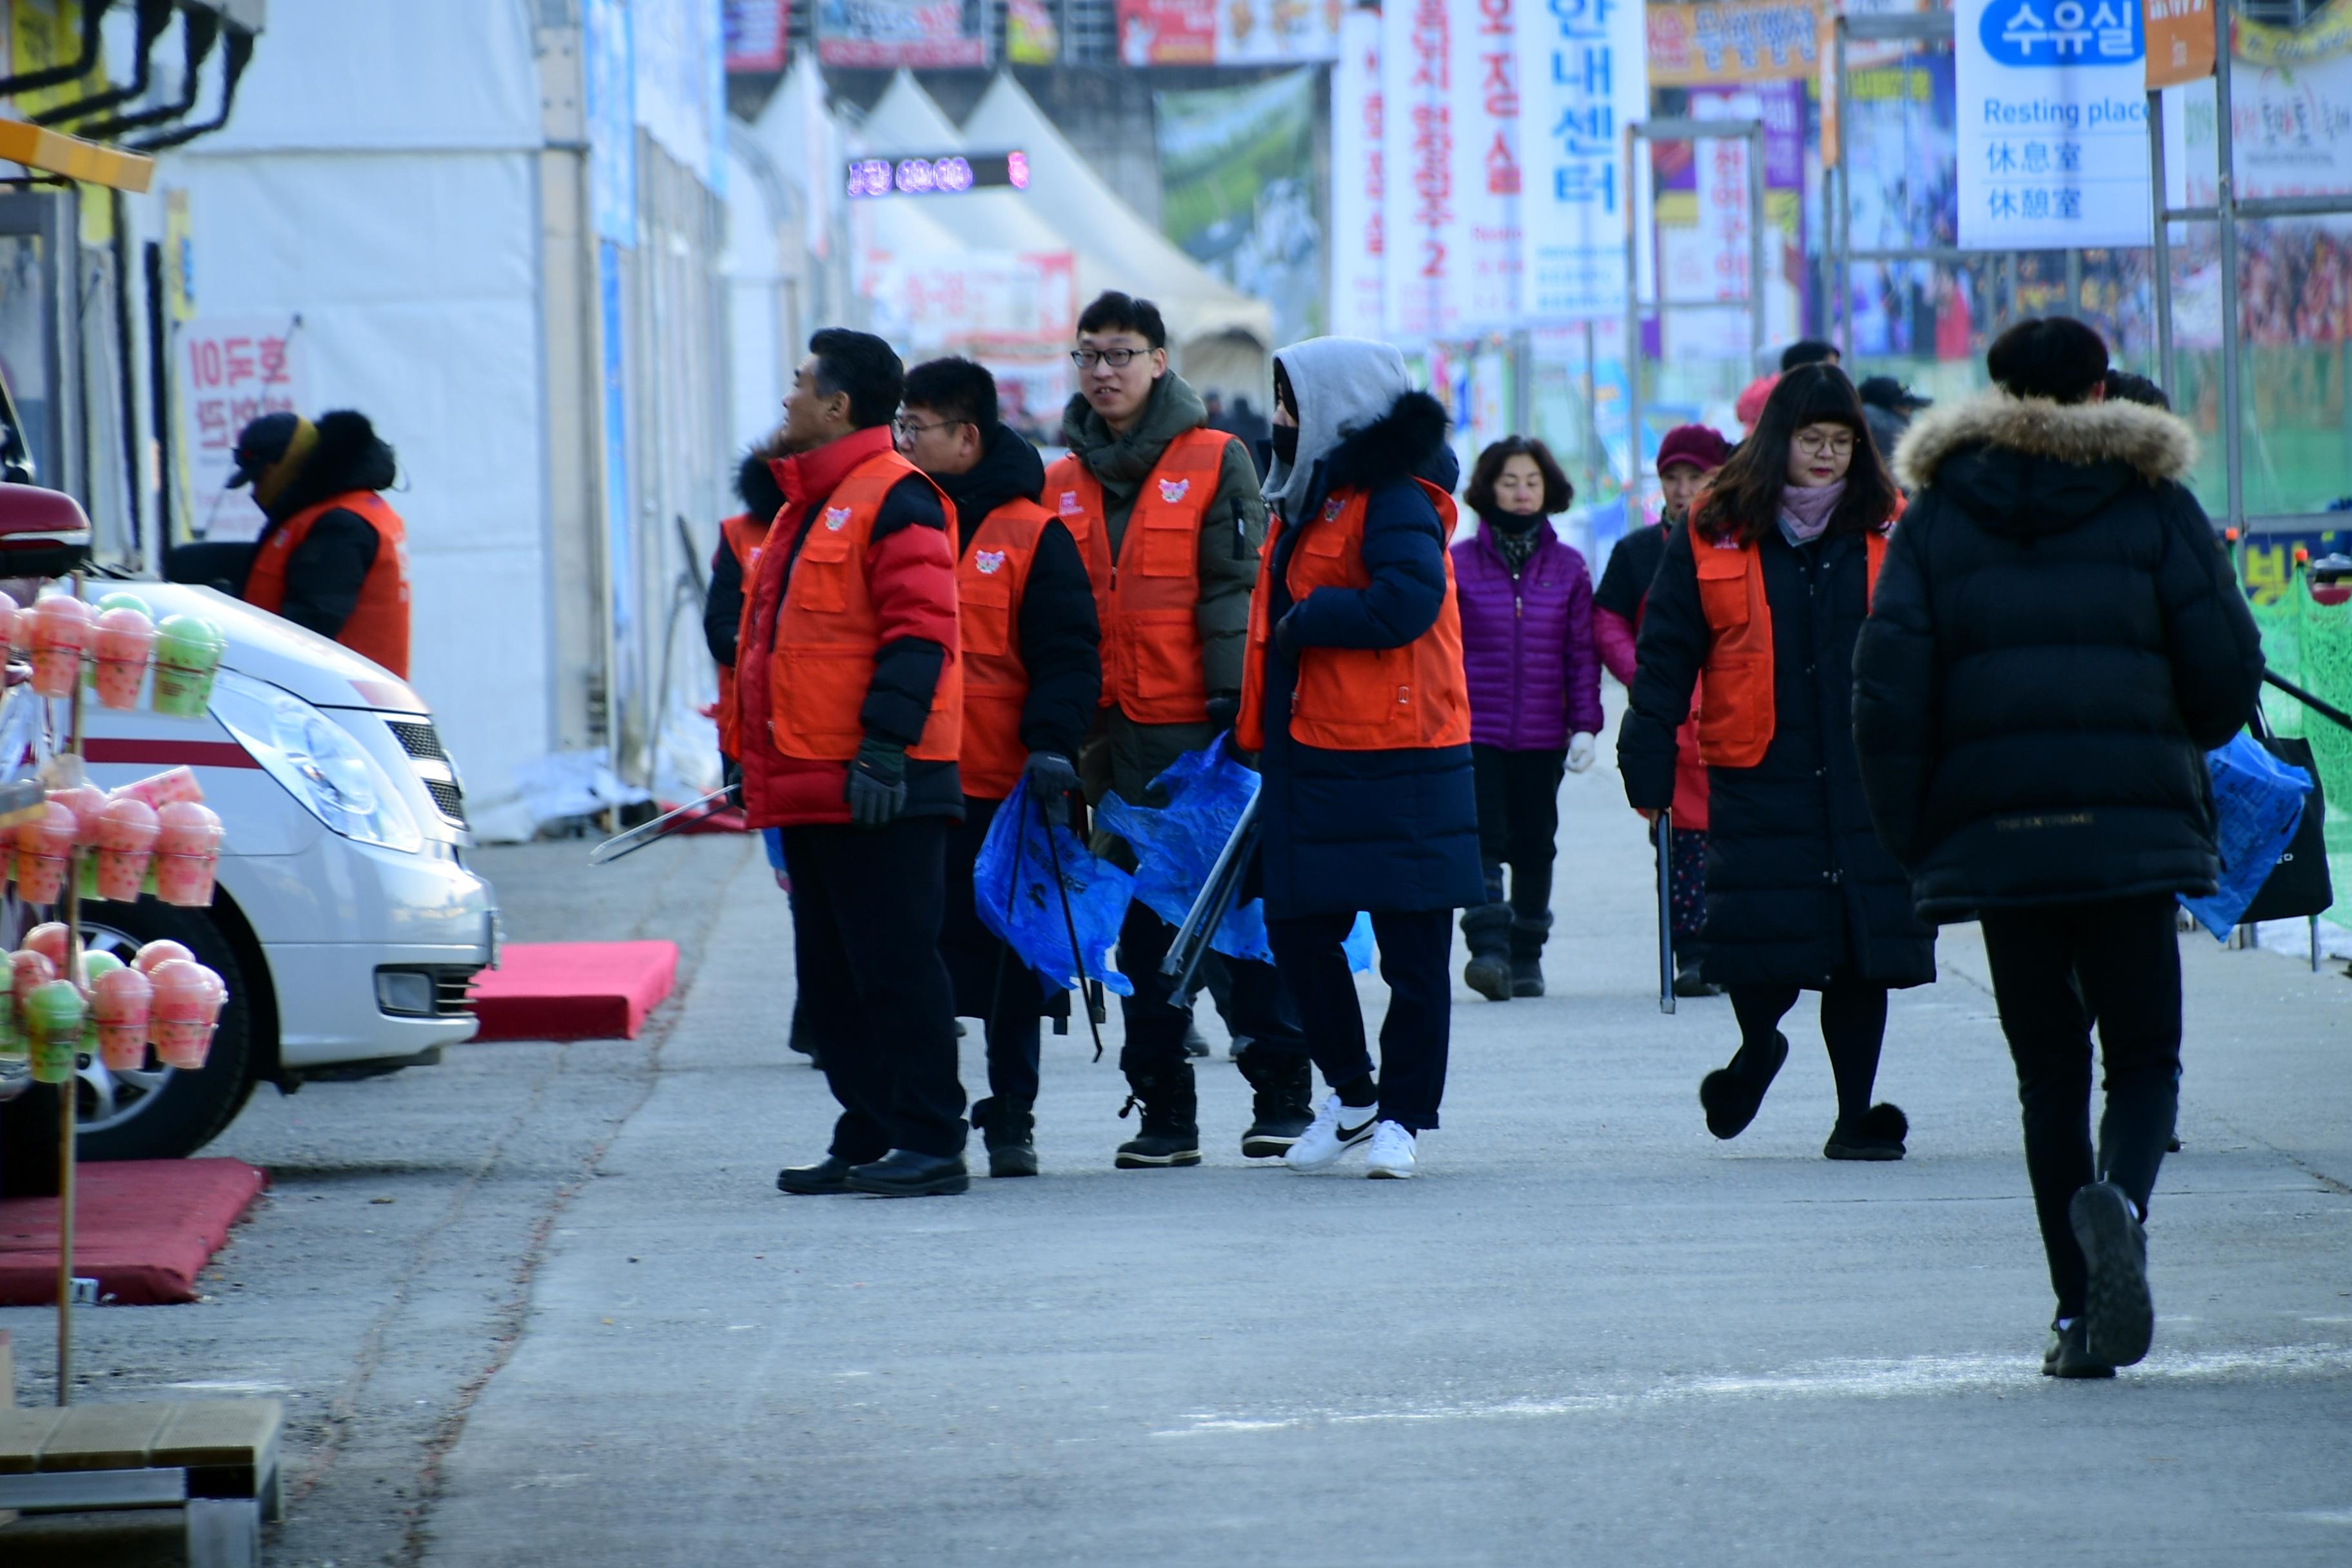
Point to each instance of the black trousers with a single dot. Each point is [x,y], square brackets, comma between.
[874,992]
[2055,971]
[1518,823]
[991,981]
[1853,1028]
[1414,949]
[1257,1004]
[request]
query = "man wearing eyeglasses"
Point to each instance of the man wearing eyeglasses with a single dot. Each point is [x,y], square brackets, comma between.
[1168,516]
[1033,672]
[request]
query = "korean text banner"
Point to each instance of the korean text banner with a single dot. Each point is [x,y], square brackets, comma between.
[754,34]
[1450,127]
[1770,40]
[232,369]
[1359,172]
[885,34]
[1227,31]
[2052,120]
[1584,66]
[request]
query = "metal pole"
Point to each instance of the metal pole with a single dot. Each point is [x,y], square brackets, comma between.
[2074,282]
[1755,248]
[2226,203]
[1840,223]
[1666,911]
[1634,187]
[2161,239]
[1593,424]
[67,1130]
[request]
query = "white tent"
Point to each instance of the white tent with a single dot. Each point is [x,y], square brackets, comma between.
[1221,336]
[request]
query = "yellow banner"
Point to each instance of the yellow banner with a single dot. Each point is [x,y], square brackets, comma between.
[2326,37]
[1733,42]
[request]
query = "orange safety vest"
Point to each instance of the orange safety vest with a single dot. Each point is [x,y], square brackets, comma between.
[991,583]
[1148,600]
[827,632]
[744,535]
[379,625]
[1736,711]
[1414,698]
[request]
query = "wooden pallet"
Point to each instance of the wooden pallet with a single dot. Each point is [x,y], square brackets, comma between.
[216,1460]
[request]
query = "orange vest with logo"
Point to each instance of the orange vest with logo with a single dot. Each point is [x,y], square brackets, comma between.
[1148,600]
[379,625]
[1414,698]
[827,632]
[743,534]
[1735,711]
[992,581]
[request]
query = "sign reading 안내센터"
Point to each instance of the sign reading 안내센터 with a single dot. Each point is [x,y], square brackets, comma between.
[1583,64]
[2053,123]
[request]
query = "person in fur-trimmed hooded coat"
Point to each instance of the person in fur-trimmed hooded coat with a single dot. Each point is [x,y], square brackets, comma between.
[2056,641]
[1369,802]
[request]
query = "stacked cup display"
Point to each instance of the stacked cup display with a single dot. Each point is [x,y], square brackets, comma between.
[187,853]
[61,632]
[43,846]
[127,831]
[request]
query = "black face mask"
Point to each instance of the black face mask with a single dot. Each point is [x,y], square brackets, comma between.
[1285,443]
[1511,522]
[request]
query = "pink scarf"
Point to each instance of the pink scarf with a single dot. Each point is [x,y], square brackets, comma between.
[1805,510]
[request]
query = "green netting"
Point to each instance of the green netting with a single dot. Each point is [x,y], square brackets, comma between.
[2310,644]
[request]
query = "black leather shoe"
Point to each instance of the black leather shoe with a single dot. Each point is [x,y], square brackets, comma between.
[904,1174]
[2069,1354]
[829,1174]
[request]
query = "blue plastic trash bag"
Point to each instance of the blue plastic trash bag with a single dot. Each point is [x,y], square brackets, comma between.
[1176,848]
[1012,883]
[2258,802]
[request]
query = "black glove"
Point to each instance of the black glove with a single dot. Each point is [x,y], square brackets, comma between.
[1051,779]
[1286,641]
[1224,707]
[877,790]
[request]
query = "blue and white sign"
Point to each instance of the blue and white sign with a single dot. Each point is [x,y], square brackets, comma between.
[2053,122]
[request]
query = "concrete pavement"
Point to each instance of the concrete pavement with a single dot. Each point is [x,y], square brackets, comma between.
[587,1329]
[1589,1333]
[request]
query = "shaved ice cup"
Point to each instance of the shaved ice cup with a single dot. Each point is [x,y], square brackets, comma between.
[187,655]
[127,831]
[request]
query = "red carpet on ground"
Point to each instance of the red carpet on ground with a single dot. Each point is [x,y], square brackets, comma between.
[573,990]
[142,1228]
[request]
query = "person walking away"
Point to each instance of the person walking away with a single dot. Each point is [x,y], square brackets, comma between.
[2055,644]
[1168,517]
[1889,406]
[1356,701]
[1526,604]
[740,539]
[333,555]
[1032,675]
[741,536]
[1757,604]
[1688,457]
[850,694]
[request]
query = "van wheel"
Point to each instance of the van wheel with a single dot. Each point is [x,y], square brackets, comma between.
[160,1112]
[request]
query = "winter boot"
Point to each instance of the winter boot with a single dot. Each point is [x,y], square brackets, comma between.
[1732,1095]
[1526,954]
[1487,930]
[1690,972]
[1170,1130]
[1281,1110]
[1009,1129]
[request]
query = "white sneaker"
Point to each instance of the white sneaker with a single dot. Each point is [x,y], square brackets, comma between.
[1336,1129]
[1392,1153]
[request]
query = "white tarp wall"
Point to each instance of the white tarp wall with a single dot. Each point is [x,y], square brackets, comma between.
[378,180]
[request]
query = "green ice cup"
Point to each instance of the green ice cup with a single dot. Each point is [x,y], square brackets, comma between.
[55,1010]
[187,655]
[14,1047]
[118,600]
[94,964]
[53,1060]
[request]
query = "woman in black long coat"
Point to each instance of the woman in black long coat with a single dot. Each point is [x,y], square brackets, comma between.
[1757,603]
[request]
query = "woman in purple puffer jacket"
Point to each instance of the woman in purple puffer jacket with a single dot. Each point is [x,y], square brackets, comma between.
[1534,700]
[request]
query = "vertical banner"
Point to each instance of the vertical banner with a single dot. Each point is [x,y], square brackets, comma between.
[1584,63]
[1359,162]
[1450,120]
[2052,117]
[1237,177]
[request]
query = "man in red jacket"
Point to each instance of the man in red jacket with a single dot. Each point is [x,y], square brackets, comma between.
[849,697]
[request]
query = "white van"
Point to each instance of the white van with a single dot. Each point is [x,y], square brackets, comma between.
[346,925]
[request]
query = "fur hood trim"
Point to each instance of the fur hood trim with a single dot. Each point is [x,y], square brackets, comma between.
[1397,446]
[2154,444]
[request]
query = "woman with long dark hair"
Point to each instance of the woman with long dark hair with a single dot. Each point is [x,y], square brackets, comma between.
[1757,603]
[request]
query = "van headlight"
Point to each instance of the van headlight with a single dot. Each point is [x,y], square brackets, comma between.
[318,762]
